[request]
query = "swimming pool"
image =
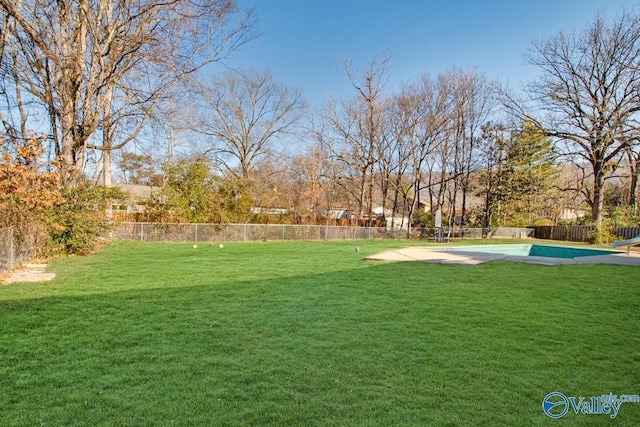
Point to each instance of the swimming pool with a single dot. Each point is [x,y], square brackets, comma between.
[527,253]
[534,250]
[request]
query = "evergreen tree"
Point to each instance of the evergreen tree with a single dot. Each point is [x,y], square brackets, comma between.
[517,175]
[491,180]
[530,169]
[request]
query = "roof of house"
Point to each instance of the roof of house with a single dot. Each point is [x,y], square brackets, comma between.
[138,192]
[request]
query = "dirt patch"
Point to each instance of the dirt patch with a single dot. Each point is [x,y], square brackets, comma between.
[29,273]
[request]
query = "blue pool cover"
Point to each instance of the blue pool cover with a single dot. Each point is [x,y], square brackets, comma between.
[534,250]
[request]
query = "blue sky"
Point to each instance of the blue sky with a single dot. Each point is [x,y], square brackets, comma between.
[302,41]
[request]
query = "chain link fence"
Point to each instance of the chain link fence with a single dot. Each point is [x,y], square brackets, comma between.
[180,232]
[16,250]
[6,249]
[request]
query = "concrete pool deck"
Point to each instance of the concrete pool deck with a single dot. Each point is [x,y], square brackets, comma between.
[445,256]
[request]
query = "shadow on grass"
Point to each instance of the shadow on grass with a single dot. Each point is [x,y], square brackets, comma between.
[375,344]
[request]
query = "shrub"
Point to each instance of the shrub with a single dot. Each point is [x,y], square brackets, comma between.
[34,203]
[77,223]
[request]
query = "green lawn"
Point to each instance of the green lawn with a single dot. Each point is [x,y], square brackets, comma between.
[305,333]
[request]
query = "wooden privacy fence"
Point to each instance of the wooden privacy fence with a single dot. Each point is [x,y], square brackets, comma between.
[626,232]
[580,233]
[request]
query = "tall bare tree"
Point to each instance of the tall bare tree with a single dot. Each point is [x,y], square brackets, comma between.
[14,116]
[397,157]
[426,136]
[95,64]
[440,162]
[393,154]
[589,89]
[342,161]
[471,100]
[354,130]
[338,136]
[245,114]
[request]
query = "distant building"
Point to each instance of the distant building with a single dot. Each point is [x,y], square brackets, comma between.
[269,211]
[337,214]
[138,196]
[569,214]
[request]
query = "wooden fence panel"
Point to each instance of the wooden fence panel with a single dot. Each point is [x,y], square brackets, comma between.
[580,233]
[626,232]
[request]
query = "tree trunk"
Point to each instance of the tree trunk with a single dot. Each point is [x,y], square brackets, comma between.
[634,170]
[362,195]
[106,168]
[370,196]
[394,209]
[106,172]
[598,200]
[71,159]
[107,137]
[633,198]
[463,211]
[412,208]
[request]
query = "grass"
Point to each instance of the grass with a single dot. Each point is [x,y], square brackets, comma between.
[305,333]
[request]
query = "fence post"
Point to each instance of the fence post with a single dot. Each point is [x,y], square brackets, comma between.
[196,233]
[11,249]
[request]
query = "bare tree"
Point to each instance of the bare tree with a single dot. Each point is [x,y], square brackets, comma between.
[471,100]
[589,88]
[136,169]
[306,172]
[339,138]
[14,117]
[632,152]
[355,130]
[393,154]
[342,160]
[246,113]
[92,65]
[423,111]
[440,161]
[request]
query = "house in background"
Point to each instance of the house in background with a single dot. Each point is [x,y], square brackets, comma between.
[134,207]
